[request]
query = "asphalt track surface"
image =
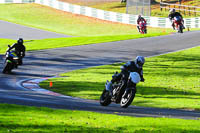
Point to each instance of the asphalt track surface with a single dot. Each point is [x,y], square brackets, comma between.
[15,31]
[48,63]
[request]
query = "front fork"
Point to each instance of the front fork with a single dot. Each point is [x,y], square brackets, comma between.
[130,85]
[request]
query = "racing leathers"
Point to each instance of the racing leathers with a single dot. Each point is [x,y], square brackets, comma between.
[138,22]
[171,17]
[19,49]
[130,66]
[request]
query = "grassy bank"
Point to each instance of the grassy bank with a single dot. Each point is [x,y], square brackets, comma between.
[172,81]
[63,22]
[89,30]
[25,119]
[117,6]
[73,41]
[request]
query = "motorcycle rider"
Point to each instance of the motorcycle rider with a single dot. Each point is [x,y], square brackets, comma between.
[172,14]
[19,49]
[140,18]
[131,66]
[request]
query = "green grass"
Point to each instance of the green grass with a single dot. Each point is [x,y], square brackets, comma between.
[155,8]
[73,41]
[172,81]
[15,118]
[117,6]
[58,21]
[89,30]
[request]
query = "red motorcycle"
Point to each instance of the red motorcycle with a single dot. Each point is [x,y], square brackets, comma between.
[143,27]
[178,23]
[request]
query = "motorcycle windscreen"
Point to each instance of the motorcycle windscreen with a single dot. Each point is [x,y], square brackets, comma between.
[177,18]
[135,77]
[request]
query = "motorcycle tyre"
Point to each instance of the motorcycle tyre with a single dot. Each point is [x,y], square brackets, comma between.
[145,31]
[142,31]
[129,100]
[105,98]
[7,68]
[180,29]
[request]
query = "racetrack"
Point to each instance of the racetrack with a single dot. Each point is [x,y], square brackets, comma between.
[15,31]
[47,63]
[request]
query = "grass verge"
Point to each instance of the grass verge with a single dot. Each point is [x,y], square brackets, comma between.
[73,41]
[63,22]
[172,81]
[15,118]
[117,6]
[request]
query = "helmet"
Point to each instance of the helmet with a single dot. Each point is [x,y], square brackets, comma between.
[20,41]
[172,10]
[139,61]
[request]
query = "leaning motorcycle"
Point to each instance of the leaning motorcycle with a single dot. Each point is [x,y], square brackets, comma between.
[143,27]
[178,24]
[11,61]
[122,92]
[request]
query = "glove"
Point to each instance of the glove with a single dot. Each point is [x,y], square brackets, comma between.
[142,80]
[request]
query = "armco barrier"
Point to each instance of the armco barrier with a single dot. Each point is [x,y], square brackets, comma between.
[17,1]
[107,15]
[113,16]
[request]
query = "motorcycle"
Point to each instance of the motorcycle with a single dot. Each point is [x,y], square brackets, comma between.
[11,61]
[143,27]
[178,24]
[122,92]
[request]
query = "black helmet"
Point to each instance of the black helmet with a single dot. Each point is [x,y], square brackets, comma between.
[139,60]
[20,41]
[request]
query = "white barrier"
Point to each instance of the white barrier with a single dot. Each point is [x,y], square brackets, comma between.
[17,1]
[107,15]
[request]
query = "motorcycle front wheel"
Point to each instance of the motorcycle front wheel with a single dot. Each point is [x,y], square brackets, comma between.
[105,98]
[127,98]
[7,67]
[180,29]
[20,62]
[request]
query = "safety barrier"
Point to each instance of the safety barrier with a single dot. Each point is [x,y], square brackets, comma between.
[17,1]
[108,15]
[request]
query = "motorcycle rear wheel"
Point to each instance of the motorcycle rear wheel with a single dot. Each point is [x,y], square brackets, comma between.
[126,101]
[105,98]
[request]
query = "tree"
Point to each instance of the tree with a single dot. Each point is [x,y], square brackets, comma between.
[153,1]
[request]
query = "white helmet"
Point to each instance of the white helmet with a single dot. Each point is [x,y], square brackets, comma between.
[172,10]
[139,61]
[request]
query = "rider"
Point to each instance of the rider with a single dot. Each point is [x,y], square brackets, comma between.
[140,18]
[173,14]
[19,48]
[131,66]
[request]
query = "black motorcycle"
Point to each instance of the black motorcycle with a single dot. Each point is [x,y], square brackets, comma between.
[122,92]
[11,61]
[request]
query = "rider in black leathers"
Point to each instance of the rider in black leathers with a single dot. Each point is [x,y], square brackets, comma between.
[173,14]
[19,48]
[131,66]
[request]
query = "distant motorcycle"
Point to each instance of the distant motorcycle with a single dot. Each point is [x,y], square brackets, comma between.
[178,24]
[11,61]
[143,27]
[122,92]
